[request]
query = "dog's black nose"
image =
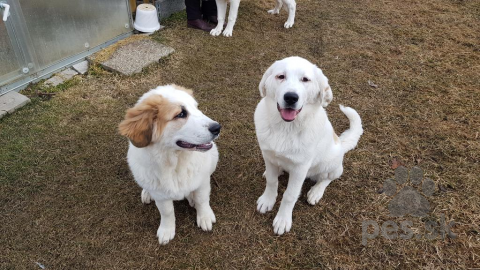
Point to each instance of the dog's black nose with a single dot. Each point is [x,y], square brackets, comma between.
[214,128]
[290,98]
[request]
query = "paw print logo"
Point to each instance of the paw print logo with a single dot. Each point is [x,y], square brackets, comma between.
[409,200]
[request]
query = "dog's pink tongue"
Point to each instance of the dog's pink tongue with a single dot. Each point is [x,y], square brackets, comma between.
[288,114]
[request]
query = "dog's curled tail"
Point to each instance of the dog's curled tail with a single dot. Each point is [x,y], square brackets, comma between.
[350,137]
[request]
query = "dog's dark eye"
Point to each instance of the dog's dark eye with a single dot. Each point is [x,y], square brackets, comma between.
[183,114]
[281,77]
[305,79]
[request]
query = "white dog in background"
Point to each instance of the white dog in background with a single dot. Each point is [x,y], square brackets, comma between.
[221,14]
[290,6]
[295,135]
[172,154]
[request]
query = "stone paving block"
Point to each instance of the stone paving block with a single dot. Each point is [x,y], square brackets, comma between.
[11,102]
[81,67]
[68,73]
[131,58]
[54,81]
[61,77]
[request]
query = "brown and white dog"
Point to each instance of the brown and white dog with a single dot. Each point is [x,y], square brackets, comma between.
[172,154]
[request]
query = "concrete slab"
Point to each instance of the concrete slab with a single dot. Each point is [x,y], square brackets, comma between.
[81,67]
[68,73]
[132,57]
[61,77]
[11,102]
[54,81]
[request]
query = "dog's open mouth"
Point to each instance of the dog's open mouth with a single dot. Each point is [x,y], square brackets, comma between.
[288,114]
[197,147]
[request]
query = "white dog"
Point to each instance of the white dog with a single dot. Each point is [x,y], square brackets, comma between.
[296,136]
[172,154]
[290,6]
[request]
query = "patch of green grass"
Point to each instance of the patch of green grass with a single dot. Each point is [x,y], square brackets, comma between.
[21,134]
[175,17]
[96,70]
[41,90]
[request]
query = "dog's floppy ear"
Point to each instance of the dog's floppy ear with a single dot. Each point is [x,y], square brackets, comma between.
[262,86]
[325,95]
[139,120]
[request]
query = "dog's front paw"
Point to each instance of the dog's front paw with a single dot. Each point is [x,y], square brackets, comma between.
[273,11]
[145,196]
[265,203]
[315,194]
[288,24]
[228,31]
[216,31]
[282,224]
[205,219]
[165,234]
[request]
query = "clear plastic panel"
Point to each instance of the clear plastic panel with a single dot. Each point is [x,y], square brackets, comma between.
[59,29]
[8,61]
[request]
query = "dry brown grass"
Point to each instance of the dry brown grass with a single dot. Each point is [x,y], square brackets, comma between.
[69,201]
[106,53]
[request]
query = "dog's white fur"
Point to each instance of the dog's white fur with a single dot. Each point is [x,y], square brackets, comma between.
[222,13]
[164,170]
[289,5]
[304,147]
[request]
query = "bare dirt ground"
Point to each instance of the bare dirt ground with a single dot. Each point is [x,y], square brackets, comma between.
[68,200]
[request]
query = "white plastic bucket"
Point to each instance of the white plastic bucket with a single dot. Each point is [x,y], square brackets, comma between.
[146,19]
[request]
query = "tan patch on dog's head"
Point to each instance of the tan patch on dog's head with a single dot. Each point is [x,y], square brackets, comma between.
[181,88]
[140,120]
[327,96]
